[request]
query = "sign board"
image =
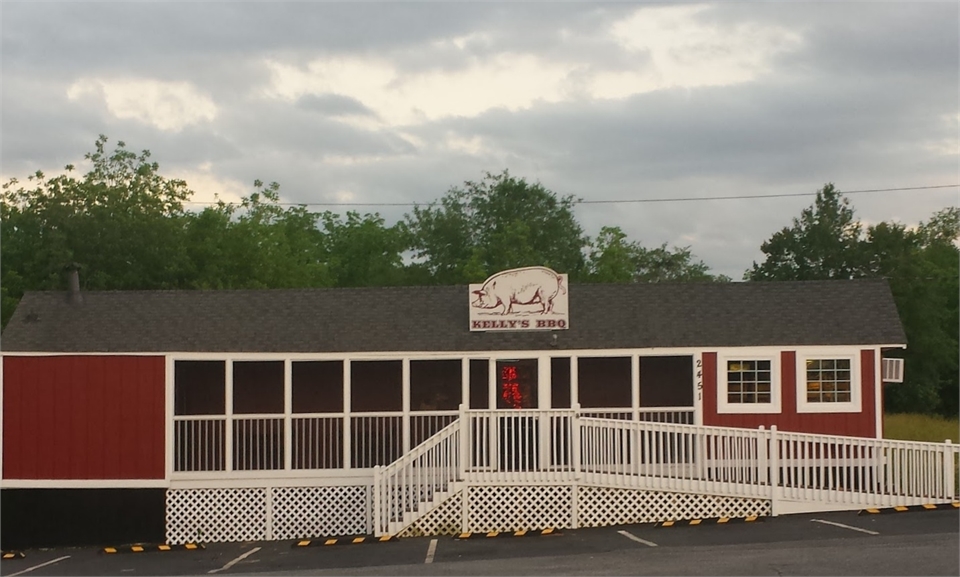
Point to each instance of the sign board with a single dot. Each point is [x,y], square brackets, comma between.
[532,298]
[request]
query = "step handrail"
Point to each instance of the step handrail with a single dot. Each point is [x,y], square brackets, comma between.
[430,467]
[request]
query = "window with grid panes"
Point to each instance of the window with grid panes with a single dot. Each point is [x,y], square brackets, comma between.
[829,381]
[749,381]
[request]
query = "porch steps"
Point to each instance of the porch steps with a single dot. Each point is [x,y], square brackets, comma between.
[425,507]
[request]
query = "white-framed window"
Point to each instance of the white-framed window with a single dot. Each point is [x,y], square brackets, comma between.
[748,383]
[828,383]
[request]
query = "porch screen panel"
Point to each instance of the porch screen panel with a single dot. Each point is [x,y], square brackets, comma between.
[666,381]
[376,388]
[560,383]
[317,421]
[199,427]
[604,382]
[435,385]
[317,386]
[435,393]
[479,384]
[258,439]
[199,387]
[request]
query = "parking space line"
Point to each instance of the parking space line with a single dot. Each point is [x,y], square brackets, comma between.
[637,539]
[29,569]
[235,561]
[431,551]
[825,522]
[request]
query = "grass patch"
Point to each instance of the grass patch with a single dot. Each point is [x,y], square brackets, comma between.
[914,427]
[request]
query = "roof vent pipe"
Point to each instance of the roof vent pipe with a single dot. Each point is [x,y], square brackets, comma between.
[73,283]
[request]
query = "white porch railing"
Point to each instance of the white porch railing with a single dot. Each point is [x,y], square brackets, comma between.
[405,489]
[519,446]
[561,447]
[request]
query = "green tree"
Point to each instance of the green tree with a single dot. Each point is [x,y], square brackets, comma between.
[923,268]
[613,258]
[822,244]
[921,264]
[122,222]
[498,223]
[256,243]
[363,251]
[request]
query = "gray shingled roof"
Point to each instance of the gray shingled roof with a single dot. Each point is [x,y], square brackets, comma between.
[860,312]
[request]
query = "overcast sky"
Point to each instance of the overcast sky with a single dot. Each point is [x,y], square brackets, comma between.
[397,102]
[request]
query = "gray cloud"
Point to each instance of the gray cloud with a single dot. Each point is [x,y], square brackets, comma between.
[334,105]
[865,101]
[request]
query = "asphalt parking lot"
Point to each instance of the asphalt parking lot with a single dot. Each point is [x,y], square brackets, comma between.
[793,541]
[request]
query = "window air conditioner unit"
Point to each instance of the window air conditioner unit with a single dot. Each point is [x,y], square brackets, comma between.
[892,370]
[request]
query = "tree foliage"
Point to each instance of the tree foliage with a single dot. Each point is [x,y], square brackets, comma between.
[823,243]
[126,225]
[922,265]
[614,258]
[498,223]
[122,221]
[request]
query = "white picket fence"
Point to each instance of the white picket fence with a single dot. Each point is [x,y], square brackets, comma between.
[540,448]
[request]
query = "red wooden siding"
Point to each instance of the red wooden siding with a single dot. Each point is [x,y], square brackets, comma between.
[83,417]
[860,424]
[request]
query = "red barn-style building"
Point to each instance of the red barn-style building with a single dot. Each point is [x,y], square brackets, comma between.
[145,416]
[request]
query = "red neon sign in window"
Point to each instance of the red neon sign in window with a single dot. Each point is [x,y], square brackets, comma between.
[510,387]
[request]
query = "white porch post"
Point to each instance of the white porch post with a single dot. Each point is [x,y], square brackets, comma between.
[347,449]
[465,441]
[268,495]
[228,414]
[405,419]
[377,508]
[763,456]
[950,488]
[575,435]
[774,471]
[287,415]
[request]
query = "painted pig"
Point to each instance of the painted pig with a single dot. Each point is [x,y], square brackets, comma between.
[520,286]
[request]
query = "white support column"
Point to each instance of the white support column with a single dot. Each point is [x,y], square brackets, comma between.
[544,376]
[493,430]
[878,391]
[405,425]
[492,383]
[545,429]
[635,386]
[949,488]
[377,504]
[774,471]
[465,509]
[698,390]
[347,449]
[228,410]
[574,382]
[576,435]
[168,430]
[575,505]
[269,503]
[287,415]
[465,442]
[465,381]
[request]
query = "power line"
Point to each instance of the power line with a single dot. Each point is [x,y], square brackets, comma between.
[627,201]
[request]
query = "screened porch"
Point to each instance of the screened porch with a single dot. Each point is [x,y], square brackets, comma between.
[313,417]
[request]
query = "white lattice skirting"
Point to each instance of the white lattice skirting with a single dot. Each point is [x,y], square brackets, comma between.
[223,515]
[600,507]
[538,507]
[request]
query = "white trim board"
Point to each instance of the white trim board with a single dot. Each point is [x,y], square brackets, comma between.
[84,484]
[470,354]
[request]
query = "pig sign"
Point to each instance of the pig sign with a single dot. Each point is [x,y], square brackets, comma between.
[520,299]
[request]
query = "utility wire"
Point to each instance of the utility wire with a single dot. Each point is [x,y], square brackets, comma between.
[626,201]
